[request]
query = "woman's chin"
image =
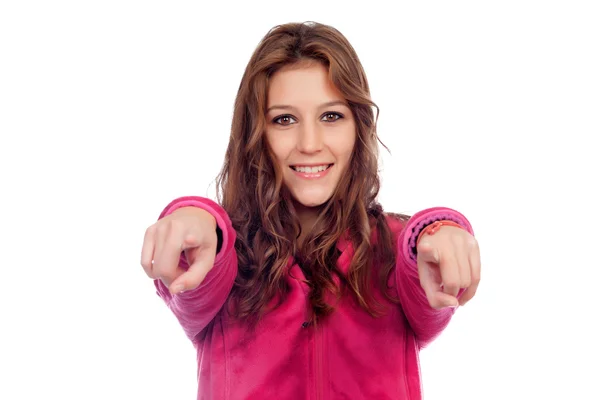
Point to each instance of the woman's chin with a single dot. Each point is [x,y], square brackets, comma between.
[311,202]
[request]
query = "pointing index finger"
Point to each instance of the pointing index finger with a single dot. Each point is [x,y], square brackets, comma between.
[203,262]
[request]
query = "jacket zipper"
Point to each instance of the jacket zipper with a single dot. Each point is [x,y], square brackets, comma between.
[318,363]
[317,347]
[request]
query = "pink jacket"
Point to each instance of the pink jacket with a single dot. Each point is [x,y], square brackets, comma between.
[351,355]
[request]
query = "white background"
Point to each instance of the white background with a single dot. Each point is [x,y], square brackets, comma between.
[109,110]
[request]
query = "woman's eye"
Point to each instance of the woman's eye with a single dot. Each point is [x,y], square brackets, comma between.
[331,117]
[284,120]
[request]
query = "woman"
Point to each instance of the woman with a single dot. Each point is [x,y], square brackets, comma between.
[297,285]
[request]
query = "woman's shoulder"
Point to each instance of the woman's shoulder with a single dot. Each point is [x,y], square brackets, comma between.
[396,221]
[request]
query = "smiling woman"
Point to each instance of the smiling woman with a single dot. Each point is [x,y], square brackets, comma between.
[297,284]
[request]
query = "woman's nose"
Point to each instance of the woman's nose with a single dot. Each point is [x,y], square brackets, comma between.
[310,139]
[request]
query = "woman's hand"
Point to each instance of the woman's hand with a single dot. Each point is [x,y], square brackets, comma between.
[188,229]
[449,266]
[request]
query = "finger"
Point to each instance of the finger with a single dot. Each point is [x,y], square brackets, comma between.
[450,273]
[442,300]
[475,266]
[172,276]
[148,251]
[429,277]
[463,265]
[193,277]
[427,252]
[168,251]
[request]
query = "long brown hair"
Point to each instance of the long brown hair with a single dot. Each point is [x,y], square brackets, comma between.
[261,208]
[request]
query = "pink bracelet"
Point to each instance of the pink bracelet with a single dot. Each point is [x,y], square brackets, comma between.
[434,227]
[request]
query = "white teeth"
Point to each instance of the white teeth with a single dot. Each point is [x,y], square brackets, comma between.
[311,170]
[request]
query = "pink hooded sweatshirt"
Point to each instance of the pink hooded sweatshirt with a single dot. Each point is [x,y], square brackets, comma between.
[348,355]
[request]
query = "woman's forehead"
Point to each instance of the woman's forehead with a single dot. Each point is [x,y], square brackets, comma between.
[306,85]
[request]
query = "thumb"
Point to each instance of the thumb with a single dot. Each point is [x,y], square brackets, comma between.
[194,276]
[442,300]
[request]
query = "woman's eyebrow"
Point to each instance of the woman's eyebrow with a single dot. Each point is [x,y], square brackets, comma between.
[280,106]
[334,103]
[328,104]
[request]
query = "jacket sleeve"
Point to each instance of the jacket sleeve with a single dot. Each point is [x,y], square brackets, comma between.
[195,309]
[426,322]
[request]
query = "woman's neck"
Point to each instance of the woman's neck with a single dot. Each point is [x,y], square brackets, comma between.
[307,217]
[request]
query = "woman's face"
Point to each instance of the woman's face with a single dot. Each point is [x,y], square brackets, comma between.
[311,130]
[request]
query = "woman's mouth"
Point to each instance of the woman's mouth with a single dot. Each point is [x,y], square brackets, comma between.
[311,171]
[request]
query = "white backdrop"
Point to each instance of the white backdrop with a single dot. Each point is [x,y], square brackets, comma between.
[109,110]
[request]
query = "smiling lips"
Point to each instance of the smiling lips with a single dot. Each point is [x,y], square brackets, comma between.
[313,171]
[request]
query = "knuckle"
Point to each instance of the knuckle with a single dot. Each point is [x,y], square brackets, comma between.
[473,243]
[465,282]
[423,245]
[150,231]
[423,248]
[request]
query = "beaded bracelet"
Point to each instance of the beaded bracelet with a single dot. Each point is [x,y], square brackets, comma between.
[434,227]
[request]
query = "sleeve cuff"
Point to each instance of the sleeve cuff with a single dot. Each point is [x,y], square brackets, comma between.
[420,221]
[223,221]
